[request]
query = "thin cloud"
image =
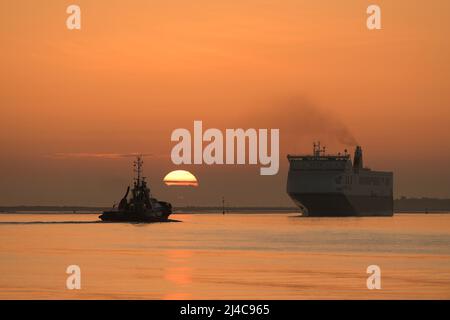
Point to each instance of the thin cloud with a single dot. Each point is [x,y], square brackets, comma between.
[95,155]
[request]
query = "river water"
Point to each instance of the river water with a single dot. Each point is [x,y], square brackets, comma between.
[232,256]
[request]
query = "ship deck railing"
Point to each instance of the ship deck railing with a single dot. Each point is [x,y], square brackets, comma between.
[320,158]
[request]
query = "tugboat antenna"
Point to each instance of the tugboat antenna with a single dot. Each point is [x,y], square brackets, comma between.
[138,168]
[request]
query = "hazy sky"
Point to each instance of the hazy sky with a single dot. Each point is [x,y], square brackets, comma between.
[139,69]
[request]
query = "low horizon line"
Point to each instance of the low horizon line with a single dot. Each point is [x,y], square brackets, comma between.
[197,206]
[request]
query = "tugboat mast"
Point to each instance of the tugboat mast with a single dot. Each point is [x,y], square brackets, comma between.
[137,164]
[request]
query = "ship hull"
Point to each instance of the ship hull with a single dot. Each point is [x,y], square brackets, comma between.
[126,217]
[158,215]
[342,205]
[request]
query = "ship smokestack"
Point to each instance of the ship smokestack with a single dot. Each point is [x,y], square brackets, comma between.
[358,159]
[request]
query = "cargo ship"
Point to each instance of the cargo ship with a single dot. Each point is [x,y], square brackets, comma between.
[141,207]
[330,185]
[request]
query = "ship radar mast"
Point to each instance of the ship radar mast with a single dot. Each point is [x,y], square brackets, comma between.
[138,168]
[317,150]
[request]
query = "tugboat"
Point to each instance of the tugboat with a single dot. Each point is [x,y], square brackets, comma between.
[141,207]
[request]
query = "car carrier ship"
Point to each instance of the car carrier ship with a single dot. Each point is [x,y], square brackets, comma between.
[330,185]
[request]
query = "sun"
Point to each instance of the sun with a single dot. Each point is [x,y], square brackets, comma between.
[180,178]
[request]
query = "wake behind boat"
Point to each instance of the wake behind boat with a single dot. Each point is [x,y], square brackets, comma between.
[141,207]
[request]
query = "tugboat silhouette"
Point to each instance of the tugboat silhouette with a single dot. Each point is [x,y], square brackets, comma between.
[141,207]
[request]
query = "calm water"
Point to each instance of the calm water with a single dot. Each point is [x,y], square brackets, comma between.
[211,256]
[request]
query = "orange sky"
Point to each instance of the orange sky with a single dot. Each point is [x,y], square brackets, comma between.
[139,69]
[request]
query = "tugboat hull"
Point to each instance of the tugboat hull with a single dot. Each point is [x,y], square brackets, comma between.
[123,217]
[160,215]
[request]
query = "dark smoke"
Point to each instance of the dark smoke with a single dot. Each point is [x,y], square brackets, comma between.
[299,117]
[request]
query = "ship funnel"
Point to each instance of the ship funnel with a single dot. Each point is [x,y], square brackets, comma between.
[358,159]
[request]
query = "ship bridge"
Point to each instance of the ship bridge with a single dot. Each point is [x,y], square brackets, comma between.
[319,160]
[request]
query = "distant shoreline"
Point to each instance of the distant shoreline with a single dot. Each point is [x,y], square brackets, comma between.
[177,210]
[402,205]
[249,212]
[204,211]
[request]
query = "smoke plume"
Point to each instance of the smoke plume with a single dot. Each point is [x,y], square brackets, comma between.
[298,117]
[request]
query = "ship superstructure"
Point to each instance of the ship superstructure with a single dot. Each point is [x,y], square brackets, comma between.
[331,185]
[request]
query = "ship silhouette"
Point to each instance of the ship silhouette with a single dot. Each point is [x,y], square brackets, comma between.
[327,185]
[141,207]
